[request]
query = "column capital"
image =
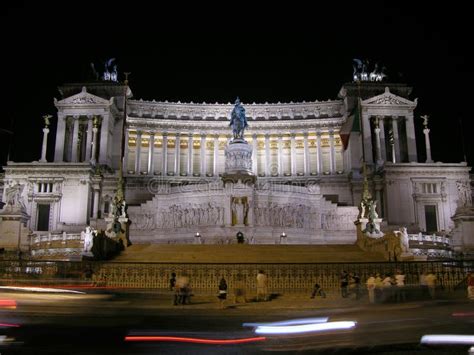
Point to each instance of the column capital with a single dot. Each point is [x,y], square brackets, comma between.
[152,133]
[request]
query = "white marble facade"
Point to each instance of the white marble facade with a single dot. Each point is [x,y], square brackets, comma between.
[306,157]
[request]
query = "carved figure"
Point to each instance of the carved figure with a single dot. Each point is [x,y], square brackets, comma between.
[238,121]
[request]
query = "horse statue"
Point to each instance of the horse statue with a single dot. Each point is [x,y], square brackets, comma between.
[238,121]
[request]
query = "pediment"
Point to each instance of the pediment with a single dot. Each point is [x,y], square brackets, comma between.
[388,99]
[81,99]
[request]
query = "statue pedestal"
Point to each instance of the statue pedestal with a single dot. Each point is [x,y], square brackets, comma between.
[13,231]
[463,232]
[123,234]
[238,162]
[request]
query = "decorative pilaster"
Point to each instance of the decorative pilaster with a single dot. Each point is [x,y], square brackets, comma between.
[411,140]
[177,152]
[138,149]
[203,154]
[151,153]
[306,162]
[164,147]
[104,139]
[293,154]
[190,154]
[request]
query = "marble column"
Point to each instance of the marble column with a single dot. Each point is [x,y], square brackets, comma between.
[293,154]
[60,138]
[306,161]
[426,131]
[280,155]
[104,139]
[203,154]
[95,211]
[75,140]
[367,138]
[164,148]
[125,149]
[378,152]
[396,140]
[319,157]
[255,154]
[138,152]
[332,153]
[216,155]
[151,153]
[411,140]
[267,155]
[383,149]
[177,152]
[45,144]
[190,154]
[89,138]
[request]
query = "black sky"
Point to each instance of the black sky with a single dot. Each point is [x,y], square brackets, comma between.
[205,52]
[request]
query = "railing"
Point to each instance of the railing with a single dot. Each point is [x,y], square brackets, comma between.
[46,244]
[204,278]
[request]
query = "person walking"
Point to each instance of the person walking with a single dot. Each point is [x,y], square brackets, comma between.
[344,283]
[431,283]
[222,292]
[318,291]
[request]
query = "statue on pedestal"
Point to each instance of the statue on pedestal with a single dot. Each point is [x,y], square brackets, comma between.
[14,198]
[88,237]
[238,121]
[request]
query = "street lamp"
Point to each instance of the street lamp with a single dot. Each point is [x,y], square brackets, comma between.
[283,238]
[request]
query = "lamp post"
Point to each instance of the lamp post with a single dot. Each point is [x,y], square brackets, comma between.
[283,238]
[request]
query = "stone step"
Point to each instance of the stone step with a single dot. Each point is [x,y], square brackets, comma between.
[245,253]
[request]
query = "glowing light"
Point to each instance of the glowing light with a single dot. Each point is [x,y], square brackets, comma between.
[9,325]
[447,339]
[314,327]
[288,322]
[463,314]
[8,304]
[195,340]
[39,289]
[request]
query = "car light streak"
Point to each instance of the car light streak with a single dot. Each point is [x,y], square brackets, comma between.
[195,340]
[315,327]
[447,339]
[288,322]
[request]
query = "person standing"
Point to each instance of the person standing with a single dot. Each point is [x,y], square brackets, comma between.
[344,283]
[431,283]
[371,288]
[400,286]
[318,291]
[261,286]
[470,286]
[222,292]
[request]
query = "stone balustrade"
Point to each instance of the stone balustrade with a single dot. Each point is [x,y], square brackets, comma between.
[45,245]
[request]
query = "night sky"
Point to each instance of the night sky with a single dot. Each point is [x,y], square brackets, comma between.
[211,53]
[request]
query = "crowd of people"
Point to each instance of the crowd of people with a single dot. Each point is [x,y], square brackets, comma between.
[389,287]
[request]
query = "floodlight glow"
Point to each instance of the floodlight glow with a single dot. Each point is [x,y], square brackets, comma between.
[288,322]
[447,339]
[315,327]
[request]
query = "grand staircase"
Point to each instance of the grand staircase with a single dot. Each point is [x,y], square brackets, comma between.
[245,253]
